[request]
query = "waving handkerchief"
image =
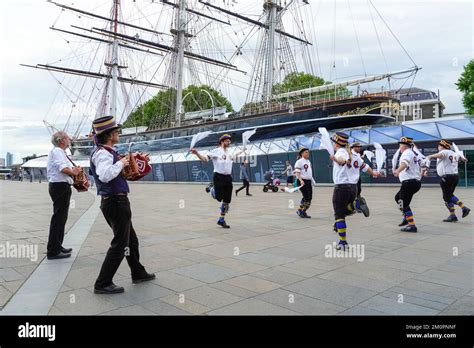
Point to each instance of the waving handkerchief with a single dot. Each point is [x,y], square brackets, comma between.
[246,136]
[369,155]
[197,137]
[460,153]
[326,140]
[380,156]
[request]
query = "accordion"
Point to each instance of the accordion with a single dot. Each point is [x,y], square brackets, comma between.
[138,166]
[81,182]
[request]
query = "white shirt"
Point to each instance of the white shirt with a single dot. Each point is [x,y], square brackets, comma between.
[105,168]
[356,166]
[289,170]
[222,160]
[341,174]
[413,169]
[448,164]
[57,161]
[303,166]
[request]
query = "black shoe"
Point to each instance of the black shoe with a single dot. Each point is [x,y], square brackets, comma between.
[223,224]
[110,289]
[451,219]
[403,223]
[363,207]
[236,193]
[334,228]
[248,194]
[61,255]
[342,245]
[147,277]
[66,251]
[306,216]
[409,228]
[465,212]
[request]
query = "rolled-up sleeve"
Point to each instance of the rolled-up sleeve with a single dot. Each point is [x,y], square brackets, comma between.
[105,167]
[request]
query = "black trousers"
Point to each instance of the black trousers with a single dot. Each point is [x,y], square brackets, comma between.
[245,186]
[448,184]
[342,196]
[117,213]
[405,195]
[60,193]
[359,186]
[223,186]
[307,190]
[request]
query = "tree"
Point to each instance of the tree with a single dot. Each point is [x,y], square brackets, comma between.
[466,85]
[297,80]
[300,80]
[159,111]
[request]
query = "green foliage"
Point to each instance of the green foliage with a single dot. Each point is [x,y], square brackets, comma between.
[297,80]
[300,80]
[466,85]
[159,111]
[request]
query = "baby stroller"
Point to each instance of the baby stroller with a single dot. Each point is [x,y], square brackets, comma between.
[272,184]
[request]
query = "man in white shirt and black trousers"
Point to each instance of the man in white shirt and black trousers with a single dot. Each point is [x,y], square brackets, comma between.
[447,168]
[222,160]
[409,173]
[106,167]
[304,173]
[60,171]
[345,174]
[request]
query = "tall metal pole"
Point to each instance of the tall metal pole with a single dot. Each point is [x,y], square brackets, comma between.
[272,10]
[181,28]
[114,63]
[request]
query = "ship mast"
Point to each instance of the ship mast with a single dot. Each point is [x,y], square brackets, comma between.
[271,7]
[181,31]
[114,63]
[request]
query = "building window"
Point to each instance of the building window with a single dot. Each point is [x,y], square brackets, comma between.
[417,114]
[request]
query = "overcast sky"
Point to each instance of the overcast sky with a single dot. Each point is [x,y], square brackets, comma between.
[437,34]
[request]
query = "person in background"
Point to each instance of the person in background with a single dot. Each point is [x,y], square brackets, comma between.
[60,172]
[290,178]
[244,176]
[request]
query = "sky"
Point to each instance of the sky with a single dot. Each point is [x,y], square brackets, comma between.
[437,34]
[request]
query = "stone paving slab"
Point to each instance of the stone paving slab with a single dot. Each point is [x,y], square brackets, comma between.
[269,263]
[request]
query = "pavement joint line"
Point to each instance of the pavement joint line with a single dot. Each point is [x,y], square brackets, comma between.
[38,293]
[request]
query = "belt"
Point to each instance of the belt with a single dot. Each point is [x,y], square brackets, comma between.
[60,183]
[117,194]
[410,180]
[345,185]
[446,175]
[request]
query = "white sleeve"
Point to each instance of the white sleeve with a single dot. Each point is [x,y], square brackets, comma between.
[212,154]
[60,160]
[406,157]
[105,169]
[297,166]
[341,154]
[444,154]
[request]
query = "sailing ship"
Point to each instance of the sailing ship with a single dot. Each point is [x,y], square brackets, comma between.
[272,113]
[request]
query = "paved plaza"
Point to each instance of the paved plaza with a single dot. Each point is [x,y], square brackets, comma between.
[270,262]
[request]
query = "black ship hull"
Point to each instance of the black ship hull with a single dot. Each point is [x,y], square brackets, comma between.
[302,120]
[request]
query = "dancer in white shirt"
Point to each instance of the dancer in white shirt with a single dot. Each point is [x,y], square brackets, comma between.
[304,173]
[222,159]
[447,167]
[409,172]
[345,177]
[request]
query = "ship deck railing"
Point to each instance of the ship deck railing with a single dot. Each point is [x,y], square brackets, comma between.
[308,101]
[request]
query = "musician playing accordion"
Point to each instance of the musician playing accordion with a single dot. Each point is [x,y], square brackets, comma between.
[60,172]
[106,168]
